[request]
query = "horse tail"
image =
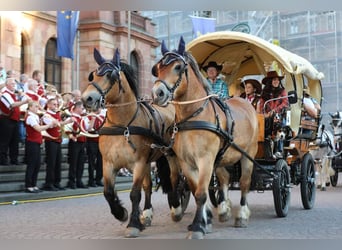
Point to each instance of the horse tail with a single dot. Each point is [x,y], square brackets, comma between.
[163,174]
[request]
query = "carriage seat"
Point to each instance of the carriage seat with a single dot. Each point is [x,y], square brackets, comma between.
[308,126]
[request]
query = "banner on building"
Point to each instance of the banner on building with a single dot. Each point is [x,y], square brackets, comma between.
[67,23]
[202,25]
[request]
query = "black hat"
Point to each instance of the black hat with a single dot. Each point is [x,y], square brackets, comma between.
[213,64]
[256,84]
[271,75]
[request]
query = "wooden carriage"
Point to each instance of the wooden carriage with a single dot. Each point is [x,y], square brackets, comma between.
[244,55]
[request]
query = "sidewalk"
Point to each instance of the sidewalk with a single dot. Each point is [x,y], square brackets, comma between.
[122,183]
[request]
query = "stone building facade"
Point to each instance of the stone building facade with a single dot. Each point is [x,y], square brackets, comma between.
[28,42]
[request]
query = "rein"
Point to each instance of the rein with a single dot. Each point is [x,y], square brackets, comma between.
[193,101]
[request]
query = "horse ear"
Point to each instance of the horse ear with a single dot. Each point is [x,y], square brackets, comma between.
[181,46]
[98,58]
[116,57]
[163,48]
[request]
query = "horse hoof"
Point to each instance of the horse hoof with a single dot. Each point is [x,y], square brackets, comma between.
[176,217]
[223,217]
[132,232]
[209,228]
[240,222]
[147,221]
[327,184]
[195,235]
[323,189]
[146,217]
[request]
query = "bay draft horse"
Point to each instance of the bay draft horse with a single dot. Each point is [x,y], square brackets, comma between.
[208,135]
[322,153]
[131,126]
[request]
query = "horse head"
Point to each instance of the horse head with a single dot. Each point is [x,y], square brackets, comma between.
[102,80]
[336,123]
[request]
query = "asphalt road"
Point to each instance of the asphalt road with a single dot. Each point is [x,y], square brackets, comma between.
[88,217]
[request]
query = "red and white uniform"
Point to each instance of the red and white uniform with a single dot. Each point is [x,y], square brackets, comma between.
[7,99]
[33,135]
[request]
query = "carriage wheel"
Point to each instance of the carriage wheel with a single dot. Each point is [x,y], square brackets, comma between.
[307,186]
[334,178]
[281,189]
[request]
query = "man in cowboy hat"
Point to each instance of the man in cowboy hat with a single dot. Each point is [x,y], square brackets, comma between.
[252,91]
[218,86]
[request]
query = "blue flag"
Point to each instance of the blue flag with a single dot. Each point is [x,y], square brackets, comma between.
[67,22]
[202,25]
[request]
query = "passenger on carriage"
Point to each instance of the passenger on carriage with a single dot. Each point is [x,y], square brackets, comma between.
[218,85]
[252,92]
[311,111]
[273,104]
[311,105]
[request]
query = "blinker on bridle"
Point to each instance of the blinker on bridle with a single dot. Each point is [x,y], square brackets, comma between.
[105,69]
[166,60]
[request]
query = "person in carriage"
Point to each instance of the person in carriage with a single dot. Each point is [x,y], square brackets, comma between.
[218,85]
[273,104]
[252,92]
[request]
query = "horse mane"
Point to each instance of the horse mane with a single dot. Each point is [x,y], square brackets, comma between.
[131,76]
[192,62]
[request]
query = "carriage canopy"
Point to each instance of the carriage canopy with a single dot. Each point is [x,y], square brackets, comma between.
[244,55]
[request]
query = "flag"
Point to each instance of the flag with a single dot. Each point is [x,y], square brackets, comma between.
[67,22]
[202,25]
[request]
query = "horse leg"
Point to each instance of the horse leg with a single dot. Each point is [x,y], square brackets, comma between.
[134,225]
[224,207]
[147,215]
[174,197]
[168,174]
[201,223]
[116,208]
[318,171]
[244,213]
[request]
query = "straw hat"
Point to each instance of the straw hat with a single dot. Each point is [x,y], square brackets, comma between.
[256,84]
[214,65]
[270,75]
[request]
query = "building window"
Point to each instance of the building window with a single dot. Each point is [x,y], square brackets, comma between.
[53,65]
[22,54]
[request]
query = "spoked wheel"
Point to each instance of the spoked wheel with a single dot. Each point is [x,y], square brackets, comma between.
[307,185]
[334,178]
[281,188]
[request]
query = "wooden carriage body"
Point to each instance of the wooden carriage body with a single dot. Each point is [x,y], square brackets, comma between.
[244,55]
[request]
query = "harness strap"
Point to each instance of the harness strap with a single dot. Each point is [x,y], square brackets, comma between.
[133,130]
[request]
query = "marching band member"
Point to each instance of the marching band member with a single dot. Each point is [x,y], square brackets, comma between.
[76,148]
[53,146]
[34,139]
[9,122]
[95,121]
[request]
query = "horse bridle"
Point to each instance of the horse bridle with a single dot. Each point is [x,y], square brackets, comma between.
[115,76]
[167,59]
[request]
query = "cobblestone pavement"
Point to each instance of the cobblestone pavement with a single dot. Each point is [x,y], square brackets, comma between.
[89,218]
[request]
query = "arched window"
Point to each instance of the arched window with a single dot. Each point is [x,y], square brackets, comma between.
[135,64]
[22,54]
[53,65]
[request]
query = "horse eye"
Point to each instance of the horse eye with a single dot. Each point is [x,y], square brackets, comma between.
[178,67]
